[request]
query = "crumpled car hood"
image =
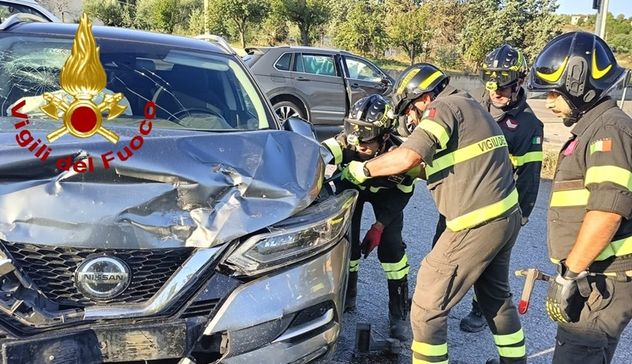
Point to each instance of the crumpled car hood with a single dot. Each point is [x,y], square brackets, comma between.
[182,188]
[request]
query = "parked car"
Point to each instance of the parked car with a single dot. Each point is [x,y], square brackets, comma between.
[12,7]
[189,226]
[315,84]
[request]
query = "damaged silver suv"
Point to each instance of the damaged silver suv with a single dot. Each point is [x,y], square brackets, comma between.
[151,209]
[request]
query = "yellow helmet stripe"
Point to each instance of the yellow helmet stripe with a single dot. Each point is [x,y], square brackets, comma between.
[555,76]
[596,72]
[428,81]
[406,79]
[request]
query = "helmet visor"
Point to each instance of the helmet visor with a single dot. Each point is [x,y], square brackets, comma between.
[361,132]
[495,79]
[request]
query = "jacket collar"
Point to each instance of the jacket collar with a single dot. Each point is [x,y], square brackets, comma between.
[593,114]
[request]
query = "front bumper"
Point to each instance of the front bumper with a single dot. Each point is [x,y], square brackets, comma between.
[290,316]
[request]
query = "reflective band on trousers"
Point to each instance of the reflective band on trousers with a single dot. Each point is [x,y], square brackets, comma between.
[511,345]
[429,349]
[395,271]
[520,160]
[354,265]
[335,149]
[436,130]
[421,361]
[612,174]
[466,153]
[483,214]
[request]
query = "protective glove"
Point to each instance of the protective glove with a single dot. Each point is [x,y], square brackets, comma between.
[355,172]
[565,300]
[372,239]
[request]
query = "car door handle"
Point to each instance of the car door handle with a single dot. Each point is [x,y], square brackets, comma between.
[354,85]
[302,78]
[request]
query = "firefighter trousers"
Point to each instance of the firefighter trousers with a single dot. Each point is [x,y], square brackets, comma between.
[392,251]
[605,315]
[476,257]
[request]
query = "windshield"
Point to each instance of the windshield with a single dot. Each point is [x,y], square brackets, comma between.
[191,90]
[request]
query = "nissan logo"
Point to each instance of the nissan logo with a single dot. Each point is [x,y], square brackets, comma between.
[102,278]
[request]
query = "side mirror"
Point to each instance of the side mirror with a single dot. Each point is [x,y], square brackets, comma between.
[299,126]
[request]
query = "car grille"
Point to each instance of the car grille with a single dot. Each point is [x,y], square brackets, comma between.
[52,269]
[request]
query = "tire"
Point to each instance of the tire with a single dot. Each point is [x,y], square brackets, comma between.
[285,109]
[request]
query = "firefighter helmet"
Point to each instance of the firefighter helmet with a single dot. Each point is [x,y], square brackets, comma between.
[579,66]
[415,81]
[368,119]
[503,67]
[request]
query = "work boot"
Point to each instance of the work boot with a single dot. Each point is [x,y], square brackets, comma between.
[398,308]
[474,321]
[352,292]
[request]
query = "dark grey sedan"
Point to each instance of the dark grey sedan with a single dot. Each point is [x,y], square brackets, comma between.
[314,83]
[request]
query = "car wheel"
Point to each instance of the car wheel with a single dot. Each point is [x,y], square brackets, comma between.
[287,109]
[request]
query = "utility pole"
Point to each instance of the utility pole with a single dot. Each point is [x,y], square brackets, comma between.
[602,14]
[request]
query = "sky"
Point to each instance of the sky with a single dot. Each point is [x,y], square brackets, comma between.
[585,7]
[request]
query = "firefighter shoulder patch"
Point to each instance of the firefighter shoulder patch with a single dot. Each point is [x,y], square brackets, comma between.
[603,145]
[430,113]
[511,123]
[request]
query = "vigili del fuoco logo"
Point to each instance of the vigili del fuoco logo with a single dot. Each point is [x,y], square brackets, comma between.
[82,77]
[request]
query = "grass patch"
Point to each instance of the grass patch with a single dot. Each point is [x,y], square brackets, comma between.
[390,64]
[549,162]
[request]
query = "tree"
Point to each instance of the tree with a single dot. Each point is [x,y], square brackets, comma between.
[110,12]
[363,30]
[243,13]
[164,15]
[446,26]
[482,31]
[306,14]
[409,29]
[274,30]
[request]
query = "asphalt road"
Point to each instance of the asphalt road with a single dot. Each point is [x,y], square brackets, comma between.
[420,220]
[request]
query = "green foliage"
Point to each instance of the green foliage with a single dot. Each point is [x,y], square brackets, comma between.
[164,15]
[526,24]
[110,12]
[306,14]
[621,43]
[242,14]
[409,30]
[363,30]
[274,30]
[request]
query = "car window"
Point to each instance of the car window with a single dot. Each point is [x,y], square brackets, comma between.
[191,90]
[315,64]
[360,70]
[7,9]
[283,63]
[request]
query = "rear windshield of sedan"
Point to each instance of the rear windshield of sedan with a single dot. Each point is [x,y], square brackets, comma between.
[191,89]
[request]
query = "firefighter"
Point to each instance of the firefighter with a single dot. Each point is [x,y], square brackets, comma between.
[464,153]
[589,221]
[503,73]
[366,135]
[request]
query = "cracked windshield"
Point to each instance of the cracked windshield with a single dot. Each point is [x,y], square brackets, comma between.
[191,90]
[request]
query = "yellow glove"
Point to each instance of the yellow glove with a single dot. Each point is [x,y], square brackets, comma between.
[355,173]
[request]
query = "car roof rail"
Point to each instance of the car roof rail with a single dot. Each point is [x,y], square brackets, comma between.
[219,40]
[21,18]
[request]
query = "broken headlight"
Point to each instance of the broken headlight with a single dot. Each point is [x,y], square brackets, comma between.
[304,235]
